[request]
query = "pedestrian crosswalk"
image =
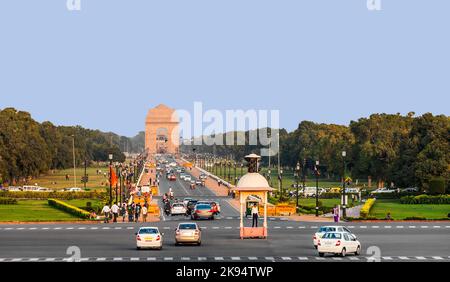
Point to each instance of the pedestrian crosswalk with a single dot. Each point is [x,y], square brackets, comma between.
[234,259]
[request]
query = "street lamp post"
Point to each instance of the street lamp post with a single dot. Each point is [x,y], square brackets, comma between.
[297,176]
[317,173]
[280,178]
[344,202]
[110,178]
[74,162]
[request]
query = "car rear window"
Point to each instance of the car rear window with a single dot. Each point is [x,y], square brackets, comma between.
[178,205]
[148,231]
[203,207]
[188,226]
[332,236]
[327,229]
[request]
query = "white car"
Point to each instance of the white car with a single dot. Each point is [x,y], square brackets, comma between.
[311,191]
[73,189]
[329,228]
[149,237]
[177,209]
[188,178]
[340,243]
[383,190]
[182,176]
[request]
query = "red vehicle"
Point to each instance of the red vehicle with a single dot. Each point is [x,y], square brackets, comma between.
[172,177]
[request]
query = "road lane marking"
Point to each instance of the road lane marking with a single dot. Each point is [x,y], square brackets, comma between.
[337,258]
[439,258]
[69,228]
[269,258]
[228,227]
[101,259]
[411,226]
[2,259]
[130,227]
[80,228]
[353,258]
[45,228]
[423,226]
[399,226]
[301,227]
[104,228]
[387,226]
[404,258]
[351,226]
[289,227]
[387,258]
[218,258]
[363,226]
[84,259]
[57,228]
[375,226]
[421,258]
[20,228]
[314,227]
[252,258]
[166,228]
[319,258]
[201,258]
[49,259]
[151,258]
[215,227]
[302,258]
[235,258]
[117,259]
[286,258]
[16,259]
[436,226]
[276,227]
[94,228]
[134,259]
[185,258]
[117,228]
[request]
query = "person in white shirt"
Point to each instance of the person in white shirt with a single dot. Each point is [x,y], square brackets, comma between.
[115,211]
[144,213]
[255,216]
[105,211]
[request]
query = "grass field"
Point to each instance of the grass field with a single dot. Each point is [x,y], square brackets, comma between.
[400,211]
[57,180]
[328,203]
[33,210]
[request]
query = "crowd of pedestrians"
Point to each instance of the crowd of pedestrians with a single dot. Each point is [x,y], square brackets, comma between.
[133,212]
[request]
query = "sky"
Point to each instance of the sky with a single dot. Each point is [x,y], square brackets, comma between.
[327,61]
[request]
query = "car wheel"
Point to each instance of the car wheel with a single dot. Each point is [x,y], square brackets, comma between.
[358,251]
[343,253]
[199,243]
[321,254]
[315,247]
[138,248]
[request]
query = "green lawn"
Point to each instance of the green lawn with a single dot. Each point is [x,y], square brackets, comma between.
[57,180]
[400,211]
[328,203]
[33,210]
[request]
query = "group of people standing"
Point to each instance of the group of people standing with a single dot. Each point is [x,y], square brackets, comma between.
[133,212]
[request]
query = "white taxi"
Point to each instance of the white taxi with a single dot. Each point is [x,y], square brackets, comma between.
[178,209]
[149,237]
[338,243]
[329,228]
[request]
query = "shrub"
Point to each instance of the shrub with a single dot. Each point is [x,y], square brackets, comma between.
[437,186]
[8,201]
[53,195]
[365,210]
[426,199]
[68,208]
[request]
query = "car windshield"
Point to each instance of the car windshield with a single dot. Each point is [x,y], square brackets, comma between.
[332,236]
[188,226]
[148,231]
[178,205]
[327,229]
[203,207]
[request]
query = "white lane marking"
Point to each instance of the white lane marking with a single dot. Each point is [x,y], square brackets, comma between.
[228,227]
[134,259]
[423,226]
[151,258]
[8,228]
[289,227]
[319,258]
[351,226]
[387,258]
[421,258]
[302,258]
[81,228]
[130,227]
[215,227]
[94,228]
[314,227]
[436,226]
[20,228]
[387,226]
[45,228]
[204,227]
[16,259]
[439,258]
[32,228]
[49,259]
[286,258]
[269,258]
[229,217]
[185,258]
[117,259]
[301,227]
[84,259]
[117,227]
[201,258]
[166,228]
[375,226]
[447,226]
[252,258]
[337,258]
[276,227]
[69,228]
[363,226]
[106,228]
[403,258]
[101,259]
[33,259]
[399,226]
[353,258]
[218,258]
[412,226]
[235,258]
[2,259]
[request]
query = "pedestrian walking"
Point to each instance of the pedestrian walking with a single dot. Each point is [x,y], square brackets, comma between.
[144,213]
[115,211]
[131,213]
[137,212]
[254,216]
[123,211]
[106,211]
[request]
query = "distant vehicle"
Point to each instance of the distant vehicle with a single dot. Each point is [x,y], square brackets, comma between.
[172,177]
[187,178]
[178,209]
[186,201]
[182,176]
[203,176]
[179,170]
[173,164]
[351,190]
[149,237]
[311,191]
[204,211]
[198,182]
[410,190]
[13,188]
[28,188]
[188,233]
[73,189]
[335,190]
[338,243]
[324,229]
[383,190]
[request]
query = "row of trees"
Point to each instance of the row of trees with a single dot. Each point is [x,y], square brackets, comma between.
[29,148]
[405,150]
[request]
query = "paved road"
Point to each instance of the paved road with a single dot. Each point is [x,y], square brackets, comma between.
[288,240]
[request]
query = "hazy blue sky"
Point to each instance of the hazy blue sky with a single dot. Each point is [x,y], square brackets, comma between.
[322,60]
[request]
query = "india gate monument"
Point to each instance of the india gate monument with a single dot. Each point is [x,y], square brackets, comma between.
[162,134]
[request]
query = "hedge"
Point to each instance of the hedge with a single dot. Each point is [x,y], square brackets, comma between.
[53,195]
[68,208]
[8,201]
[365,210]
[426,199]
